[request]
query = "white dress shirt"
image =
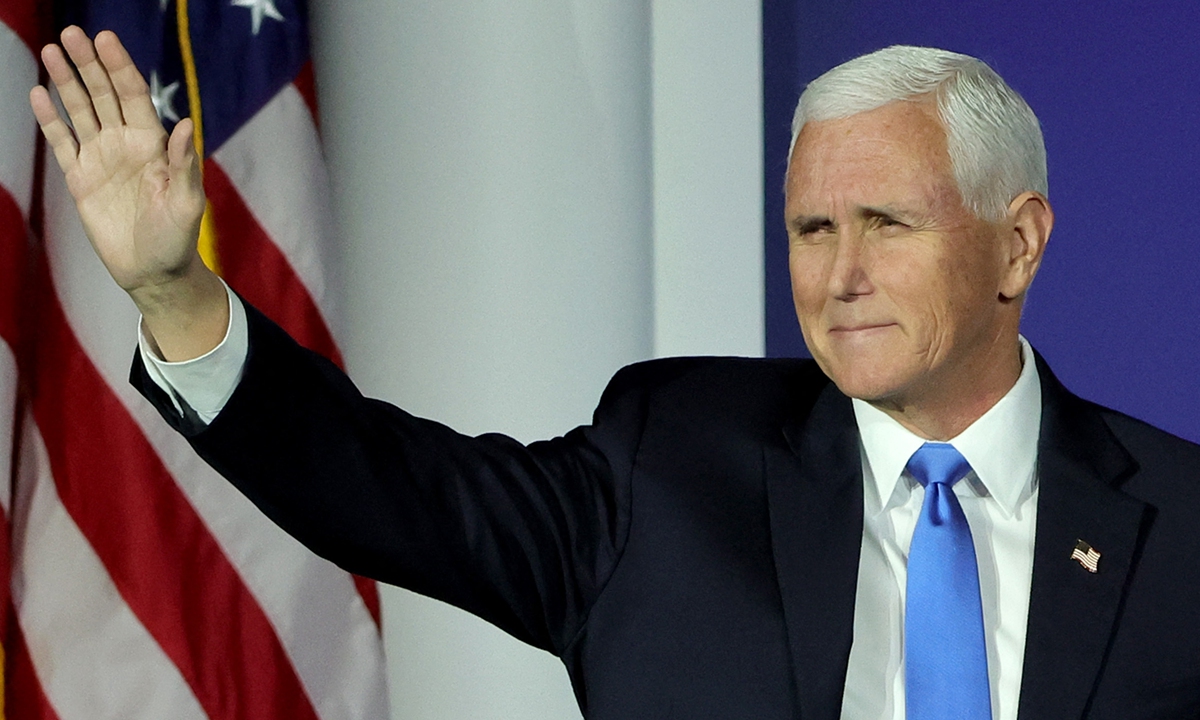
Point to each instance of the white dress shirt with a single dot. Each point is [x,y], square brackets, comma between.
[207,382]
[999,498]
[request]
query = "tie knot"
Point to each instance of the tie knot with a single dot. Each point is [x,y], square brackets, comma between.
[938,463]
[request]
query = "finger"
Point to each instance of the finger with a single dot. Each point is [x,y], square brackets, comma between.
[183,165]
[57,133]
[132,91]
[95,76]
[181,148]
[74,97]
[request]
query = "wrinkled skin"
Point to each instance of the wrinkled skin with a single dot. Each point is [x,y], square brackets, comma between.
[906,299]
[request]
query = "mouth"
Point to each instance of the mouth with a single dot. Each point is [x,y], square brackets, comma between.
[864,328]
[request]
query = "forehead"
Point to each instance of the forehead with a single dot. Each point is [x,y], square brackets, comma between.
[883,155]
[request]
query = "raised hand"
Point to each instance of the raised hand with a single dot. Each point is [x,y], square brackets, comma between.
[140,197]
[138,192]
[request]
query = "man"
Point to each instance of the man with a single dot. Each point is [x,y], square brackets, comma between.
[923,523]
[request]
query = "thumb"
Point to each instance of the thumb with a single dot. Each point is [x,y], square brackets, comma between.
[184,181]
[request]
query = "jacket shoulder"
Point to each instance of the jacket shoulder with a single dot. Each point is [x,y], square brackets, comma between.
[1168,466]
[727,393]
[720,375]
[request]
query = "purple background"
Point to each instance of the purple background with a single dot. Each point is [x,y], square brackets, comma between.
[1115,308]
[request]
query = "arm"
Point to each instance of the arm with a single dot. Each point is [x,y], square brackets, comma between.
[525,537]
[138,191]
[522,536]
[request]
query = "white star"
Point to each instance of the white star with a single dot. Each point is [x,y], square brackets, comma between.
[163,97]
[162,5]
[259,8]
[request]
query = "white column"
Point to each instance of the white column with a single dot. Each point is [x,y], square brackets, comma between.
[492,166]
[708,169]
[495,169]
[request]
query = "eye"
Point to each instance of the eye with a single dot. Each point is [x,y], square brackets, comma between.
[888,224]
[812,231]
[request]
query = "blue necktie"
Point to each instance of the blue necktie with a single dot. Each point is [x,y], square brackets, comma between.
[945,656]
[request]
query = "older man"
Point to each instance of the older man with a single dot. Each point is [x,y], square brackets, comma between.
[923,523]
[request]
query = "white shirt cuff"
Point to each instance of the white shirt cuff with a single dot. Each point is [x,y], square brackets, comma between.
[204,383]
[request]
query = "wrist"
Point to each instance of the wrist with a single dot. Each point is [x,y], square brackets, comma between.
[191,288]
[186,316]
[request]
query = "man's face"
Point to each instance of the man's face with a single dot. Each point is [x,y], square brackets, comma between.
[896,283]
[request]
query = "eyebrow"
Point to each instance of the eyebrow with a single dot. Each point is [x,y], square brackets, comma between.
[885,212]
[803,224]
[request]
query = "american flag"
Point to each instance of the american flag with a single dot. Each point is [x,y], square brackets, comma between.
[20,29]
[1086,555]
[143,585]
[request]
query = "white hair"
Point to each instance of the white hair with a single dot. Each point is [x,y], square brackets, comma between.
[993,138]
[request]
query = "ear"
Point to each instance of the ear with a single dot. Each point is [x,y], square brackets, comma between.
[1028,226]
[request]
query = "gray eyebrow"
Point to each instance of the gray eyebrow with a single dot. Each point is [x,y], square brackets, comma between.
[803,224]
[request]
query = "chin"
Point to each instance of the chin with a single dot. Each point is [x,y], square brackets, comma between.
[872,384]
[868,391]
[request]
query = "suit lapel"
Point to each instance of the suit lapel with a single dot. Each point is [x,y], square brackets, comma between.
[815,494]
[1073,612]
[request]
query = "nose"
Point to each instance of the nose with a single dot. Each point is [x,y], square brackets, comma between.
[848,277]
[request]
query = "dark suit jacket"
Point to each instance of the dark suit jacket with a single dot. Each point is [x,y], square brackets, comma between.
[693,552]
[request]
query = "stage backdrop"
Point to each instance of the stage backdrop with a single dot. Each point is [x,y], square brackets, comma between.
[1115,309]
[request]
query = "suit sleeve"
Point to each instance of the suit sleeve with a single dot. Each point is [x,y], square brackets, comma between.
[522,536]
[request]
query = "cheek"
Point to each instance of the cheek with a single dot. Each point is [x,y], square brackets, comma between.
[806,264]
[914,282]
[971,279]
[905,268]
[944,292]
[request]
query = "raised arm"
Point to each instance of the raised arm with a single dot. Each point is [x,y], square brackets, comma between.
[138,191]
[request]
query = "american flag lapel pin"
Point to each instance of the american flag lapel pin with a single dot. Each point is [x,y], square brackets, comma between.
[1087,556]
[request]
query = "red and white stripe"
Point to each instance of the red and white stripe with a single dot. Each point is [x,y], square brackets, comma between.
[144,585]
[17,147]
[18,30]
[273,165]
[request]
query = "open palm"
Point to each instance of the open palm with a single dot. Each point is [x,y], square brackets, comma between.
[138,192]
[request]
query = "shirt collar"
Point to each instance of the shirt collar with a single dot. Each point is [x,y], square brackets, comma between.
[1001,446]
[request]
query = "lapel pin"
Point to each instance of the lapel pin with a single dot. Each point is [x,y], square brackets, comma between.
[1086,555]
